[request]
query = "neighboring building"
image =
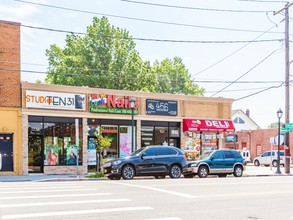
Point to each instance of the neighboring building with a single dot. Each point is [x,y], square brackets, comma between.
[259,141]
[10,99]
[242,121]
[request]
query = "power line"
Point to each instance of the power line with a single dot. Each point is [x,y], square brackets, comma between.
[231,54]
[272,87]
[192,8]
[239,90]
[158,40]
[117,72]
[245,73]
[144,20]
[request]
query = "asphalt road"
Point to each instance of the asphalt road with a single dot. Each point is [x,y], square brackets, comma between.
[150,199]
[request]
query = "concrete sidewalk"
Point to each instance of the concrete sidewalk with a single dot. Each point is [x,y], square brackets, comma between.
[250,171]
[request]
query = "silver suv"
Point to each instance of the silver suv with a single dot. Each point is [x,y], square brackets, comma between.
[269,158]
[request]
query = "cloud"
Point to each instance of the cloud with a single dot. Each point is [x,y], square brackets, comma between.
[23,11]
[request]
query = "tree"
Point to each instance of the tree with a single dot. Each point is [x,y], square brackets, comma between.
[173,77]
[106,58]
[275,125]
[102,143]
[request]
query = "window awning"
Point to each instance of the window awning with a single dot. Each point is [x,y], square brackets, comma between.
[208,125]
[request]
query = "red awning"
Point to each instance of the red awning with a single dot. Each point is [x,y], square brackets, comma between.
[208,125]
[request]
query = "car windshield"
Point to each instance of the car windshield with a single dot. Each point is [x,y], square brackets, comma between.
[205,155]
[137,152]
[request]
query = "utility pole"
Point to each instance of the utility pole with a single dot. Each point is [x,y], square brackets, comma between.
[287,87]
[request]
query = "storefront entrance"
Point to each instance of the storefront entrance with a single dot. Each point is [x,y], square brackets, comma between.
[160,133]
[6,152]
[35,154]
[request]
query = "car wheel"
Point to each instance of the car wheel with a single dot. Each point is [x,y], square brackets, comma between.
[238,171]
[203,171]
[175,171]
[256,163]
[128,172]
[222,175]
[160,177]
[275,163]
[189,175]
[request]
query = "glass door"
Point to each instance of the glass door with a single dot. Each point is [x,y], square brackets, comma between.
[35,154]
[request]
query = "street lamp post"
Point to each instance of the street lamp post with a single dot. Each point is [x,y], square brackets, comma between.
[132,106]
[279,115]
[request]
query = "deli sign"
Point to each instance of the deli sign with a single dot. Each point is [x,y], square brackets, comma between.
[54,100]
[208,125]
[103,103]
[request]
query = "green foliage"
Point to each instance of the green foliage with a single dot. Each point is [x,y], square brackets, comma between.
[96,175]
[106,58]
[275,125]
[102,143]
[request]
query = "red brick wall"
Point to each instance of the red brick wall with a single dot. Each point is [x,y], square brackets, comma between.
[260,138]
[10,91]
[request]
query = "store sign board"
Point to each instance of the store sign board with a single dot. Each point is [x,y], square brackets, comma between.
[208,125]
[54,100]
[161,107]
[103,103]
[231,138]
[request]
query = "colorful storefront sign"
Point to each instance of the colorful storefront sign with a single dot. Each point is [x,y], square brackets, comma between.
[53,100]
[208,125]
[102,103]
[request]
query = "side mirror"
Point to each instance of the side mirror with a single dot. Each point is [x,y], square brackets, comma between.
[143,155]
[212,158]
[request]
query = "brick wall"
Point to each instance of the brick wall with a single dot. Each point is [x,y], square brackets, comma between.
[10,64]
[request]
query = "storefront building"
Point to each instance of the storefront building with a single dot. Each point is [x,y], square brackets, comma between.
[60,125]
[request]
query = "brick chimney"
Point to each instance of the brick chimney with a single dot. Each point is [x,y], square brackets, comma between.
[10,95]
[247,112]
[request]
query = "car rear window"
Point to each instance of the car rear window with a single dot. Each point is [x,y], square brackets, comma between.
[163,151]
[238,155]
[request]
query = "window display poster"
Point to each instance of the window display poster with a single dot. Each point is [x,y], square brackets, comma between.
[92,158]
[71,155]
[51,155]
[125,143]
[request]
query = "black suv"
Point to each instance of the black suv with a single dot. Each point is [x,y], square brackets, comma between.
[157,161]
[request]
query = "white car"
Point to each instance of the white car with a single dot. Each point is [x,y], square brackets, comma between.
[269,158]
[246,155]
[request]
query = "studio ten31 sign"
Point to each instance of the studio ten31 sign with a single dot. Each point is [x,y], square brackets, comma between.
[54,100]
[161,107]
[102,103]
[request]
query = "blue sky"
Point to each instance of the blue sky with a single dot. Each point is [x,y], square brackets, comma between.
[254,62]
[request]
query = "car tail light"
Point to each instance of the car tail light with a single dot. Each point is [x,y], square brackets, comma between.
[184,157]
[281,158]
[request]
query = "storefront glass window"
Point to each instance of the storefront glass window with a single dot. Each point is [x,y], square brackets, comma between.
[58,137]
[111,133]
[60,145]
[35,128]
[161,135]
[147,136]
[125,137]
